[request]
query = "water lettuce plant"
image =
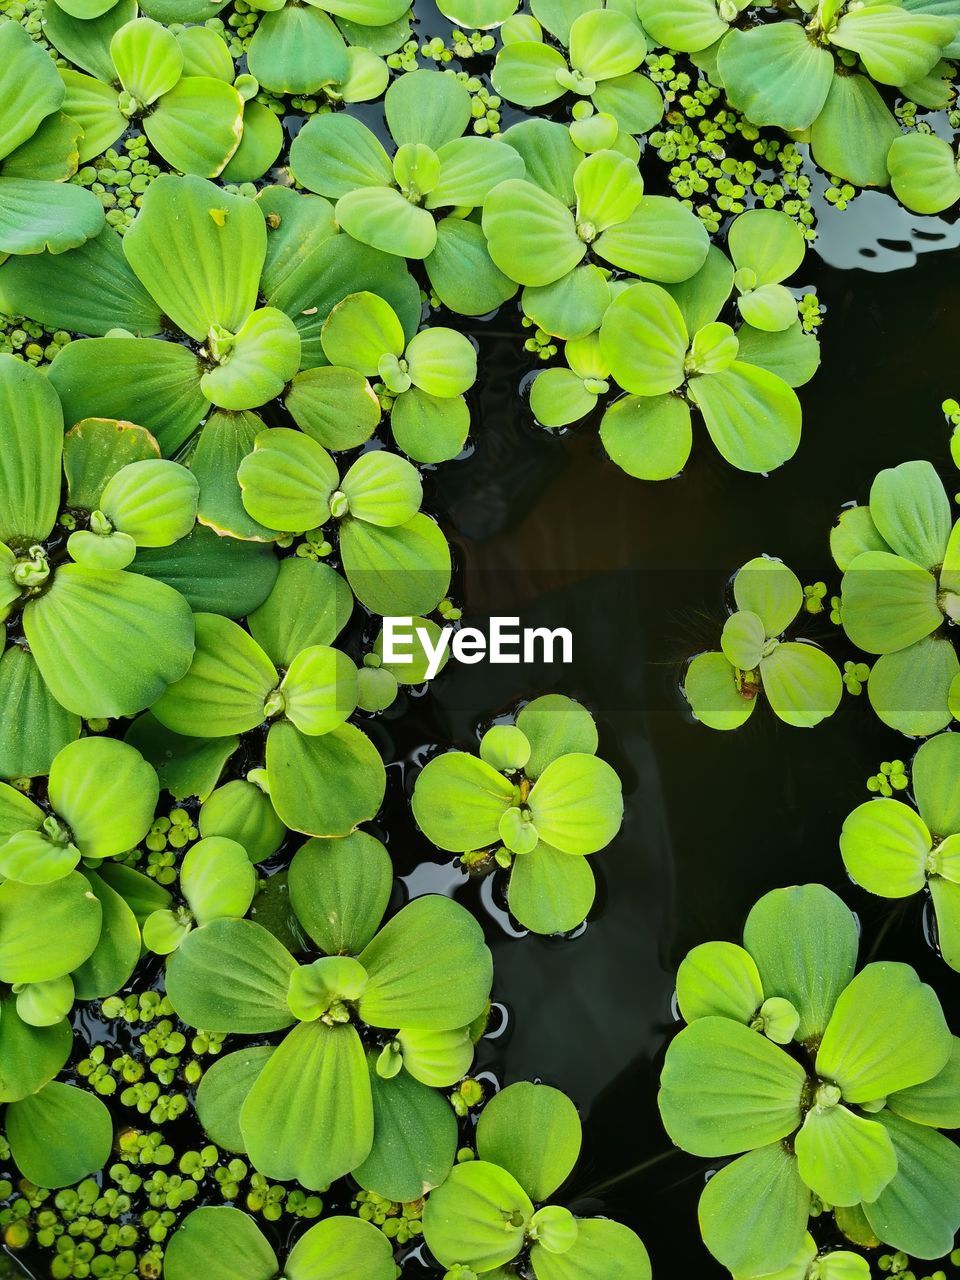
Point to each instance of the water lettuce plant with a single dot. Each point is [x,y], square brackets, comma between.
[39,209]
[490,1210]
[825,1081]
[536,800]
[323,774]
[813,69]
[222,1241]
[901,593]
[104,640]
[376,1022]
[895,850]
[801,683]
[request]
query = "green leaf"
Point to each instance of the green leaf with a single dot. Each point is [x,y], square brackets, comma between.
[752,416]
[549,891]
[558,397]
[767,242]
[219,1242]
[208,272]
[527,72]
[661,240]
[775,75]
[441,362]
[319,690]
[339,890]
[910,690]
[260,144]
[59,1135]
[918,1208]
[790,353]
[324,786]
[461,270]
[46,216]
[221,1094]
[30,87]
[95,106]
[95,450]
[43,726]
[224,690]
[197,126]
[398,572]
[802,683]
[754,1096]
[382,489]
[427,107]
[888,603]
[804,941]
[287,480]
[360,330]
[414,1138]
[100,618]
[715,696]
[409,964]
[213,574]
[106,792]
[256,363]
[644,340]
[310,604]
[577,804]
[32,427]
[470,168]
[217,879]
[342,1249]
[147,58]
[336,407]
[336,154]
[297,49]
[885,846]
[853,134]
[923,172]
[534,1133]
[384,219]
[895,45]
[458,801]
[603,1250]
[240,811]
[911,512]
[573,306]
[309,1114]
[115,957]
[415,670]
[687,25]
[30,1056]
[946,903]
[185,766]
[887,1032]
[743,640]
[477,1218]
[649,438]
[439,1059]
[753,1212]
[719,979]
[842,1157]
[935,1102]
[224,441]
[531,236]
[231,975]
[153,501]
[86,42]
[429,428]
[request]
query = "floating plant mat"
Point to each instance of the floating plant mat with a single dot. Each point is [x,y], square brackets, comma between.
[542,526]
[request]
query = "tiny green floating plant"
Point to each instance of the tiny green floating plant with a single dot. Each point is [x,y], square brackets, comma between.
[824,1082]
[535,801]
[802,684]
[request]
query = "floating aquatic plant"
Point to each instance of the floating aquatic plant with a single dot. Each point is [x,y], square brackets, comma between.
[802,684]
[900,592]
[490,1210]
[896,851]
[536,800]
[824,1081]
[380,1020]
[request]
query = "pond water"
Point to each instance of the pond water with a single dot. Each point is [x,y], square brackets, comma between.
[549,530]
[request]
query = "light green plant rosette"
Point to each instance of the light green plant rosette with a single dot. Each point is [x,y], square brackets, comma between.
[895,850]
[801,683]
[901,594]
[490,1210]
[824,1082]
[536,801]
